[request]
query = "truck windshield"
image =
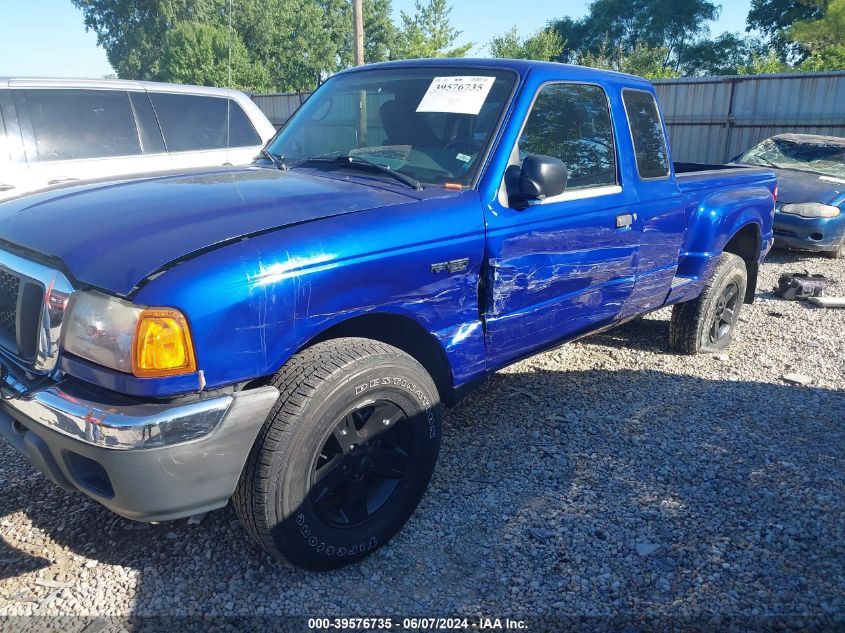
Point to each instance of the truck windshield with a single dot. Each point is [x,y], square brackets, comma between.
[431,124]
[822,155]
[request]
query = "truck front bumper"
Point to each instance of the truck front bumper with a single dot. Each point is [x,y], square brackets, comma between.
[144,460]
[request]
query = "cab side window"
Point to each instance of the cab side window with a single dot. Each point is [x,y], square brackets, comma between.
[647,134]
[78,124]
[572,122]
[193,123]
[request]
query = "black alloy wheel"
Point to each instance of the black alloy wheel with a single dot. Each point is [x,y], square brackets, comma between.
[361,464]
[726,313]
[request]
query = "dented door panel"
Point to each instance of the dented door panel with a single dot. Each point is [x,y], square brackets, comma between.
[555,270]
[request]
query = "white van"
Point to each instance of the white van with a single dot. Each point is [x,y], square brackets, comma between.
[54,131]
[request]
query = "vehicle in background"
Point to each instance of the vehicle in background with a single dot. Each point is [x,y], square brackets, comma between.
[811,189]
[283,334]
[55,131]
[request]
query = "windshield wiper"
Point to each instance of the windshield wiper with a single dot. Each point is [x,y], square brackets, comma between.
[278,161]
[363,163]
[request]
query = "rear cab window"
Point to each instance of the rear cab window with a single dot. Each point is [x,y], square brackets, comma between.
[646,126]
[196,122]
[76,124]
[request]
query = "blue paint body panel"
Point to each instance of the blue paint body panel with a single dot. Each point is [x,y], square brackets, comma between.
[262,261]
[814,234]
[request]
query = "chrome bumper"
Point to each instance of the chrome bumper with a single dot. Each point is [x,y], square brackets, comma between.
[121,427]
[148,461]
[102,419]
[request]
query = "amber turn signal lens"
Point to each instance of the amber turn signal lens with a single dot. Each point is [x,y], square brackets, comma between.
[162,345]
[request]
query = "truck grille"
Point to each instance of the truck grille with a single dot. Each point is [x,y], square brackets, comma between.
[33,299]
[10,286]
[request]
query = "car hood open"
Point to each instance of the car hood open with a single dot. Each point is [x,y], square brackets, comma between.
[113,235]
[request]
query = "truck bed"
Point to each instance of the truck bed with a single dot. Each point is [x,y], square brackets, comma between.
[699,176]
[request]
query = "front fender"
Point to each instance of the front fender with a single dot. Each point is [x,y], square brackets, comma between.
[253,304]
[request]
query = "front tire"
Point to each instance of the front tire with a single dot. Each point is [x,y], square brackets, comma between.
[345,455]
[708,322]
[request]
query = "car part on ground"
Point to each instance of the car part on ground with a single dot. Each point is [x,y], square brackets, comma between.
[798,286]
[828,302]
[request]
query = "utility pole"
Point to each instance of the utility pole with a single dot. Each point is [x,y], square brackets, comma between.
[358,29]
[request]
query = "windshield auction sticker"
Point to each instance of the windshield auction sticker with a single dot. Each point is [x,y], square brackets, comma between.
[457,95]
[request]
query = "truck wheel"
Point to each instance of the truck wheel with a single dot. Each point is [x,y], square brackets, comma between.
[708,322]
[345,455]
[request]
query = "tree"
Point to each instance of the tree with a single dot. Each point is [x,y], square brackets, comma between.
[828,58]
[379,30]
[642,61]
[774,17]
[823,38]
[283,44]
[544,45]
[723,55]
[668,25]
[768,64]
[827,30]
[199,54]
[428,33]
[296,40]
[132,32]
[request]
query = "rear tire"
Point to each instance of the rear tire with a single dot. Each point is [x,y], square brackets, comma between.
[345,455]
[708,322]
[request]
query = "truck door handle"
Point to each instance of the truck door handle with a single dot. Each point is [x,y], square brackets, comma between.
[58,181]
[624,220]
[6,187]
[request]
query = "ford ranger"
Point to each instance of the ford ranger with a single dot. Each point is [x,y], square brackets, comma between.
[284,335]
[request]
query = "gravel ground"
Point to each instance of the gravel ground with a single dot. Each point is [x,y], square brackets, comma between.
[605,477]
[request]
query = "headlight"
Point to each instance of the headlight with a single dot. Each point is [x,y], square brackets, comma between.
[811,210]
[146,342]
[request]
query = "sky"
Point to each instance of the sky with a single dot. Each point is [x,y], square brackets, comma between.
[48,37]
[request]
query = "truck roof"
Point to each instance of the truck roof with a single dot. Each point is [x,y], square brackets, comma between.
[521,66]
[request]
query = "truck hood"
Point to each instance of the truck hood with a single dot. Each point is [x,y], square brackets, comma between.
[113,235]
[804,186]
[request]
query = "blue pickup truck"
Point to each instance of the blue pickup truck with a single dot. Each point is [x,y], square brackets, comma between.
[284,335]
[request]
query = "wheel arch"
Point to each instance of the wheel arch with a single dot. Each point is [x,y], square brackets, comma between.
[401,332]
[745,243]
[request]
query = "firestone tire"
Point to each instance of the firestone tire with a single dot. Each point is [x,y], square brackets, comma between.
[708,323]
[345,455]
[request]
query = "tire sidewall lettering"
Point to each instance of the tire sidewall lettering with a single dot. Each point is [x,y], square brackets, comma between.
[321,547]
[407,385]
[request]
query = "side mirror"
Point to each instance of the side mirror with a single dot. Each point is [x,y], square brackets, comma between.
[539,178]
